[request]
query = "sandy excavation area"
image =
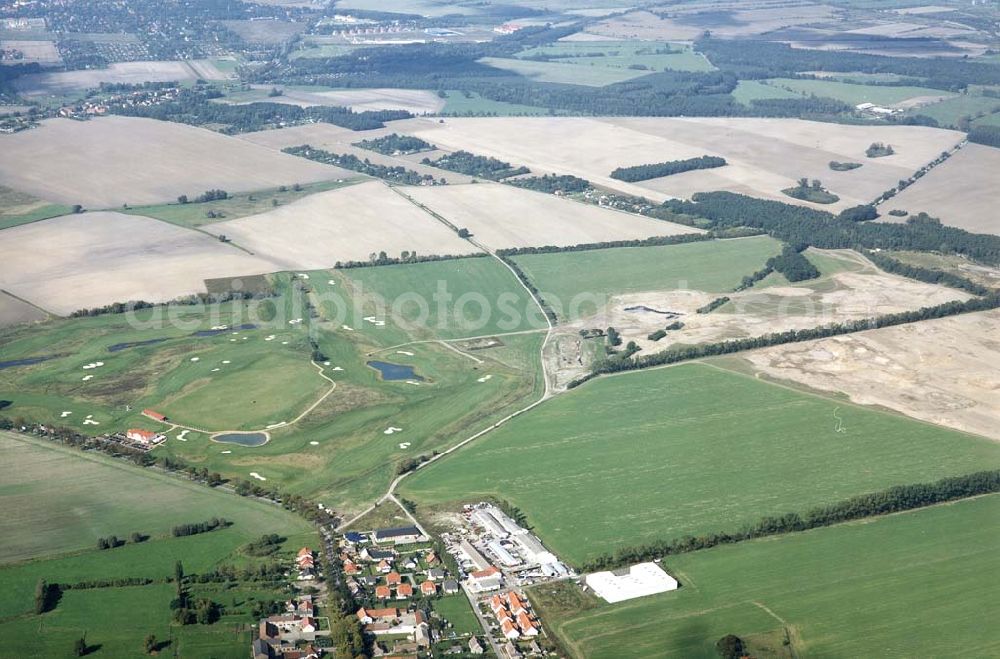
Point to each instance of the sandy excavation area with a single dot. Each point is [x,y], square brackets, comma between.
[346,224]
[500,216]
[862,292]
[341,140]
[945,371]
[764,155]
[88,260]
[107,162]
[961,192]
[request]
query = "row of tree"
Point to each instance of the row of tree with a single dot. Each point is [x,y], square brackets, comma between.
[393,174]
[656,170]
[552,183]
[470,164]
[195,528]
[884,502]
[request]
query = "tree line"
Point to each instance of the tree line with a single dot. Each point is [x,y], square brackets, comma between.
[792,264]
[195,528]
[926,275]
[395,143]
[884,502]
[470,164]
[394,174]
[656,170]
[677,239]
[552,183]
[817,228]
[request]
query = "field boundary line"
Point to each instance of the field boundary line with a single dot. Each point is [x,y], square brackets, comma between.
[464,354]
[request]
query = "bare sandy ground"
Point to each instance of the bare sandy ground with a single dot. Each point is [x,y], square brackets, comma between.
[110,161]
[846,295]
[945,371]
[961,192]
[500,215]
[764,155]
[88,260]
[342,225]
[58,83]
[16,312]
[340,140]
[43,52]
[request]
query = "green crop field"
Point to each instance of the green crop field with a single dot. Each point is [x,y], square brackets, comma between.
[461,103]
[18,208]
[623,54]
[194,215]
[752,90]
[852,94]
[950,111]
[563,72]
[60,500]
[914,584]
[714,266]
[445,299]
[684,450]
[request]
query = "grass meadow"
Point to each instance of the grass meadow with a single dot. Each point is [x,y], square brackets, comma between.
[852,94]
[471,103]
[623,54]
[60,500]
[685,450]
[913,584]
[590,75]
[712,266]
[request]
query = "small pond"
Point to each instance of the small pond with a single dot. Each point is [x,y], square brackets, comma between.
[133,344]
[394,371]
[28,361]
[241,438]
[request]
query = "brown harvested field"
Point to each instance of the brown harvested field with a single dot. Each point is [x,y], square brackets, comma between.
[500,216]
[340,140]
[945,371]
[43,52]
[88,260]
[15,312]
[110,161]
[346,224]
[61,83]
[764,155]
[961,191]
[852,289]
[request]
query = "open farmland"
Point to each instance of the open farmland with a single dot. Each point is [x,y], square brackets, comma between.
[591,277]
[14,311]
[501,216]
[92,259]
[886,568]
[100,163]
[20,208]
[68,83]
[343,225]
[960,192]
[43,52]
[623,54]
[764,155]
[853,94]
[943,371]
[62,499]
[341,140]
[684,450]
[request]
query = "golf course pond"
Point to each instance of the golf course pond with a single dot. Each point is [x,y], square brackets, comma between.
[241,438]
[391,371]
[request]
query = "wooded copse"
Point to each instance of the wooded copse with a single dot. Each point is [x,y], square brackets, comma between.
[656,170]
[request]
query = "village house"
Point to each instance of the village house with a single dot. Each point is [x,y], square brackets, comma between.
[486,580]
[428,588]
[436,574]
[475,647]
[144,437]
[450,586]
[382,592]
[393,579]
[404,591]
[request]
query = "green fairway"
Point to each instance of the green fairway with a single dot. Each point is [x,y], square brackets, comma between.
[915,584]
[445,299]
[685,450]
[654,56]
[238,205]
[58,499]
[583,277]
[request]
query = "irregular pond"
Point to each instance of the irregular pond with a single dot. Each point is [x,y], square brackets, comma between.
[214,332]
[241,438]
[394,371]
[133,344]
[27,361]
